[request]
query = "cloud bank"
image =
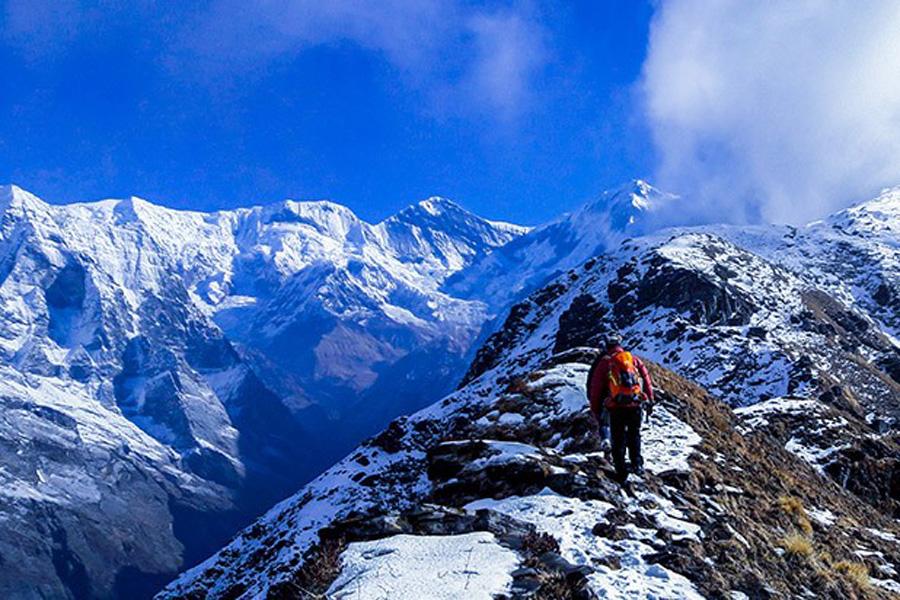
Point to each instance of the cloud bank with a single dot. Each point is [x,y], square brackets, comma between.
[774,111]
[466,58]
[483,57]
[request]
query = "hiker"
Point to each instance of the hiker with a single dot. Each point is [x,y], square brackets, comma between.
[619,389]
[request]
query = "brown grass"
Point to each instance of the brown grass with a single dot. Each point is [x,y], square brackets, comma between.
[797,545]
[320,568]
[535,543]
[535,375]
[855,572]
[793,507]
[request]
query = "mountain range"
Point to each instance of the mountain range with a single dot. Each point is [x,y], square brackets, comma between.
[169,375]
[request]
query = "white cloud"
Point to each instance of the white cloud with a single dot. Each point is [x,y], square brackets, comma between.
[480,58]
[462,57]
[254,30]
[778,111]
[509,51]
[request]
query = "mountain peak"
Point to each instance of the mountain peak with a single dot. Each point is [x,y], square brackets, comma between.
[625,208]
[19,201]
[129,210]
[437,205]
[875,218]
[636,194]
[434,207]
[429,208]
[886,203]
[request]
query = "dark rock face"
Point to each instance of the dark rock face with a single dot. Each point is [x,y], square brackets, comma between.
[582,324]
[450,466]
[113,515]
[870,471]
[515,328]
[660,283]
[65,300]
[391,439]
[886,296]
[890,364]
[69,567]
[704,301]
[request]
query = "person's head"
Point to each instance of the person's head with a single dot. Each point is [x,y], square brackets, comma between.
[612,341]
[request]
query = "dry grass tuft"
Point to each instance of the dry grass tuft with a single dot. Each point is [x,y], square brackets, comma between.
[320,568]
[793,507]
[797,545]
[857,573]
[536,543]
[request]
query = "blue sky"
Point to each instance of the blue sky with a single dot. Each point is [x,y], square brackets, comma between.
[517,110]
[775,111]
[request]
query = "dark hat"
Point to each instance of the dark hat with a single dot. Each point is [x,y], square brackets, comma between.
[611,340]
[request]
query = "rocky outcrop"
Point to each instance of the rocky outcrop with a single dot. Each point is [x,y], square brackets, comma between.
[719,511]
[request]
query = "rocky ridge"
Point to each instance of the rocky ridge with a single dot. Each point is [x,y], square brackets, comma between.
[717,513]
[779,481]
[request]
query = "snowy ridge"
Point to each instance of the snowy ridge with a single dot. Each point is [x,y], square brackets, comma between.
[613,542]
[753,314]
[393,473]
[632,210]
[853,254]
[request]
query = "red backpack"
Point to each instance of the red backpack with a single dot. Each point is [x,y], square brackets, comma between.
[624,379]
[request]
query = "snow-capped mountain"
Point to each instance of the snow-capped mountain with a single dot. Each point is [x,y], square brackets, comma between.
[519,268]
[166,375]
[350,309]
[779,482]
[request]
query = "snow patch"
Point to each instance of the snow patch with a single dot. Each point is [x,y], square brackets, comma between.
[410,567]
[571,522]
[668,442]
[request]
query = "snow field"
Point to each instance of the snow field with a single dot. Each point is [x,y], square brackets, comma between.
[410,567]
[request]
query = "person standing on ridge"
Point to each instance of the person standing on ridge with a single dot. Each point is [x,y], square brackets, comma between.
[619,385]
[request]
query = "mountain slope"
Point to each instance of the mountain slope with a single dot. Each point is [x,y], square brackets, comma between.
[789,496]
[125,407]
[708,520]
[138,432]
[336,308]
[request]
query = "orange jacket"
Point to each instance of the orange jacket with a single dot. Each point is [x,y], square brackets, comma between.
[598,384]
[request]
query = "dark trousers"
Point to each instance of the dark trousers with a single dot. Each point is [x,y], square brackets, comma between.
[625,432]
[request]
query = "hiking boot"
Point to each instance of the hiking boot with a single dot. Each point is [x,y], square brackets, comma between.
[637,470]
